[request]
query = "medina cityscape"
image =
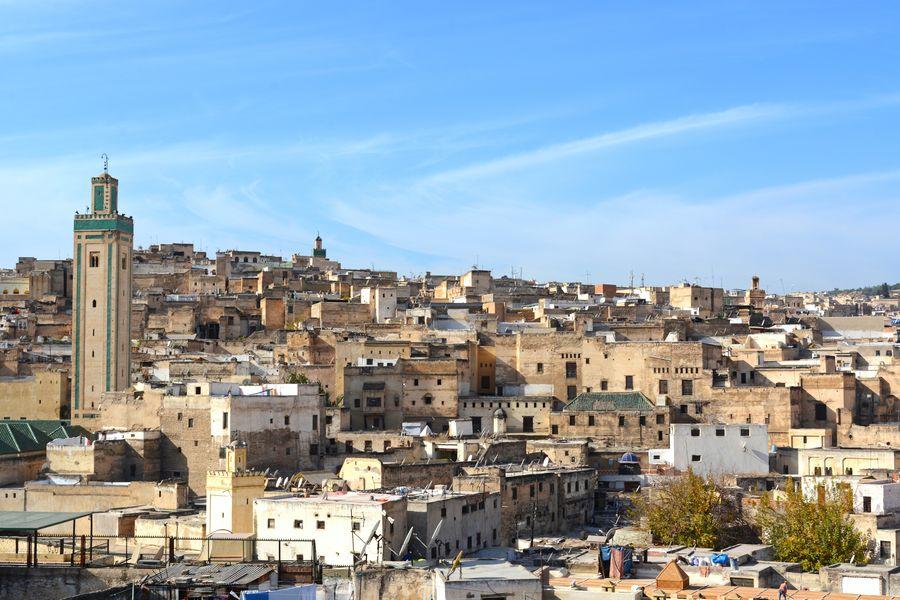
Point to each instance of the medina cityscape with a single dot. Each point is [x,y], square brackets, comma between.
[516,301]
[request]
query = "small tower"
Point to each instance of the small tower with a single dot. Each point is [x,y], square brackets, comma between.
[318,250]
[230,492]
[499,422]
[101,312]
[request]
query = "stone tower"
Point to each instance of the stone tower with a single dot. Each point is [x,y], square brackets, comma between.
[230,493]
[101,314]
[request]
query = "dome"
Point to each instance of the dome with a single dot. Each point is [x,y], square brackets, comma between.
[499,414]
[629,457]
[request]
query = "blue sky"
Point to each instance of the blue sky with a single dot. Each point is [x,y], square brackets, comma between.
[704,140]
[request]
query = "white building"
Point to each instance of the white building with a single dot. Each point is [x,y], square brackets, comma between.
[339,522]
[486,579]
[382,302]
[469,521]
[711,449]
[877,497]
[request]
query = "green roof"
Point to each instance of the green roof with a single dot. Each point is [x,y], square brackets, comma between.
[31,436]
[610,402]
[15,520]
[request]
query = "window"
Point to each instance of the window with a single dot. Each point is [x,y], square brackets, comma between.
[660,419]
[659,435]
[271,523]
[485,382]
[124,264]
[695,432]
[287,419]
[224,420]
[682,408]
[687,387]
[315,422]
[94,259]
[320,524]
[720,433]
[515,493]
[663,386]
[531,491]
[415,382]
[591,420]
[745,432]
[621,421]
[571,392]
[629,382]
[298,524]
[867,504]
[604,385]
[571,419]
[540,367]
[190,422]
[571,370]
[355,526]
[356,403]
[821,411]
[427,398]
[93,304]
[439,382]
[695,458]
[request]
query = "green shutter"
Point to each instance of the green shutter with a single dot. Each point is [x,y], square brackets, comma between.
[98,198]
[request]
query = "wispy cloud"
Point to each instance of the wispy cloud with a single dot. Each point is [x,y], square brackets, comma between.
[639,133]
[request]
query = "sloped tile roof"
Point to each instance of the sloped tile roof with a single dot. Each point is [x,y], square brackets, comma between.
[30,436]
[610,402]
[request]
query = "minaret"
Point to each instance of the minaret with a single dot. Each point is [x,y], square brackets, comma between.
[101,315]
[318,250]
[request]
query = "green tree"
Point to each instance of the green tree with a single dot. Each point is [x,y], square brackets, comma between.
[813,533]
[885,290]
[691,510]
[296,378]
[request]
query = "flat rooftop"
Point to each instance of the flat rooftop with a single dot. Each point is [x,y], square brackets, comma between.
[370,498]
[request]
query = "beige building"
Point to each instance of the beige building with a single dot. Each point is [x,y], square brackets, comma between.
[101,314]
[44,395]
[702,301]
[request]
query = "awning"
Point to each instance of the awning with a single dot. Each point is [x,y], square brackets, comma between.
[27,521]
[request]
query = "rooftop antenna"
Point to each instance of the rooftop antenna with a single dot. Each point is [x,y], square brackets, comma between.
[105,162]
[642,280]
[631,277]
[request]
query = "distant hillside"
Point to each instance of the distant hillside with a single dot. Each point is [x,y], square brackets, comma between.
[882,289]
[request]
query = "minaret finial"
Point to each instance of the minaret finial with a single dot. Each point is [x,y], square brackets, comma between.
[105,162]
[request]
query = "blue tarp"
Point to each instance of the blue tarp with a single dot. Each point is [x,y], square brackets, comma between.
[300,592]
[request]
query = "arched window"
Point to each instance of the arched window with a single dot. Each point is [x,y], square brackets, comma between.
[15,290]
[93,304]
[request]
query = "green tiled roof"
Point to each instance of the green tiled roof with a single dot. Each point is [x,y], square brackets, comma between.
[610,402]
[29,436]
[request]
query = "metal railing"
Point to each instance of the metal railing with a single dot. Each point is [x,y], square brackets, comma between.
[148,550]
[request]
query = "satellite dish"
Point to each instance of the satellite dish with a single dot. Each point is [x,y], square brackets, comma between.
[369,538]
[546,461]
[406,540]
[437,530]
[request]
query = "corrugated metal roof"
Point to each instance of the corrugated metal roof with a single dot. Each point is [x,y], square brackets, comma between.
[213,575]
[610,402]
